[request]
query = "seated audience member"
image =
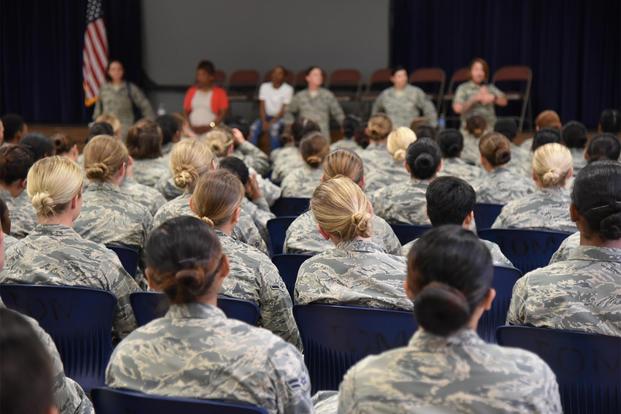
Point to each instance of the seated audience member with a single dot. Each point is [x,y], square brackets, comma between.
[475,129]
[451,143]
[574,137]
[425,131]
[189,160]
[114,122]
[610,122]
[15,161]
[508,127]
[499,185]
[315,103]
[14,128]
[39,145]
[195,350]
[205,105]
[171,127]
[274,96]
[356,271]
[217,201]
[144,144]
[32,380]
[288,158]
[99,128]
[224,141]
[391,171]
[546,119]
[548,206]
[603,147]
[109,215]
[375,155]
[5,220]
[147,196]
[64,146]
[447,367]
[351,127]
[54,254]
[581,292]
[405,202]
[403,102]
[451,200]
[303,236]
[303,181]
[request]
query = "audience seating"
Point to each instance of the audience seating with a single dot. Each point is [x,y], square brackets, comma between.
[485,214]
[506,79]
[504,279]
[116,401]
[289,77]
[277,230]
[459,76]
[426,79]
[148,306]
[336,337]
[587,366]
[408,232]
[299,82]
[290,206]
[379,80]
[243,84]
[128,256]
[78,319]
[345,83]
[220,78]
[288,266]
[526,249]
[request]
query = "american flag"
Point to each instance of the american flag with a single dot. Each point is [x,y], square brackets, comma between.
[95,53]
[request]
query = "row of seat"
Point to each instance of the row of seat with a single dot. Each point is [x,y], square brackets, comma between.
[334,337]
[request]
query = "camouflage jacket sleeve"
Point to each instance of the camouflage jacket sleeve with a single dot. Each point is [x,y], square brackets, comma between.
[246,232]
[260,217]
[390,240]
[276,306]
[270,191]
[460,94]
[254,157]
[495,91]
[346,402]
[121,286]
[293,385]
[378,105]
[515,315]
[335,110]
[292,110]
[142,102]
[428,108]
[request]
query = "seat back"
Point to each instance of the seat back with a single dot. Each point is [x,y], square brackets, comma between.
[289,77]
[587,366]
[526,249]
[516,83]
[244,83]
[128,257]
[220,78]
[288,266]
[116,401]
[148,306]
[299,82]
[379,80]
[345,82]
[430,80]
[460,76]
[277,230]
[408,232]
[290,206]
[485,214]
[504,279]
[336,337]
[79,320]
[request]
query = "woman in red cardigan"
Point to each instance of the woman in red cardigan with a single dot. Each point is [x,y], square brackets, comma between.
[204,104]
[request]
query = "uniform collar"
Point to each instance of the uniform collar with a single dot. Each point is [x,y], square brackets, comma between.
[194,310]
[374,146]
[426,341]
[595,254]
[54,230]
[102,186]
[366,246]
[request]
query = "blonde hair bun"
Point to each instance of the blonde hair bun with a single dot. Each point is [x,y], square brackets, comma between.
[361,220]
[184,178]
[97,171]
[43,203]
[208,221]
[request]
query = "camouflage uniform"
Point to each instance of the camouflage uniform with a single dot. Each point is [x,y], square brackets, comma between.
[9,241]
[317,108]
[288,160]
[546,208]
[253,157]
[461,373]
[117,102]
[581,293]
[355,272]
[498,257]
[456,167]
[260,213]
[253,277]
[403,203]
[111,216]
[392,172]
[270,191]
[406,105]
[150,171]
[376,157]
[471,153]
[577,154]
[147,196]
[345,143]
[56,255]
[69,397]
[565,249]
[501,186]
[195,351]
[244,231]
[467,90]
[22,214]
[303,236]
[301,182]
[167,188]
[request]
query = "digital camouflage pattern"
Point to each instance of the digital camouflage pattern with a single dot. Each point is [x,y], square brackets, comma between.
[147,196]
[355,272]
[150,171]
[565,249]
[301,182]
[581,293]
[285,162]
[167,188]
[317,108]
[116,101]
[380,176]
[345,143]
[253,157]
[376,157]
[500,186]
[21,212]
[303,236]
[195,351]
[406,105]
[467,90]
[456,167]
[403,203]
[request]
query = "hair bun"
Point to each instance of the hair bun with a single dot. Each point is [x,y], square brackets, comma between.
[188,277]
[424,161]
[97,171]
[361,221]
[184,178]
[208,221]
[550,178]
[399,154]
[43,203]
[441,309]
[610,227]
[313,160]
[502,156]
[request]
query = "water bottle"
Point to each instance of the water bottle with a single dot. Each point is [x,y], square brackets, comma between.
[161,110]
[441,122]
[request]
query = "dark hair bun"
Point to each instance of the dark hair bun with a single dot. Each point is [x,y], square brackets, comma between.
[502,156]
[424,161]
[610,227]
[441,309]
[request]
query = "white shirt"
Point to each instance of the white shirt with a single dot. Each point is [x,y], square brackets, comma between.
[273,98]
[201,109]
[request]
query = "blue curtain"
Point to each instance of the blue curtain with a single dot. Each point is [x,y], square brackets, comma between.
[41,55]
[572,46]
